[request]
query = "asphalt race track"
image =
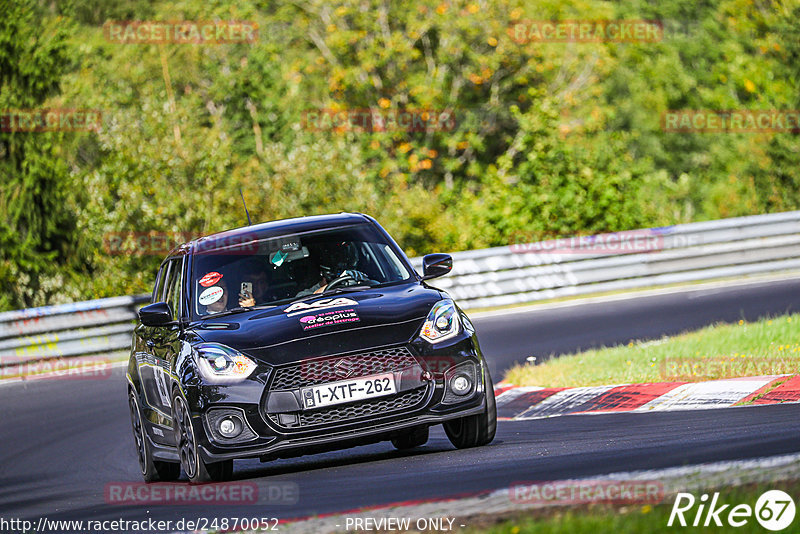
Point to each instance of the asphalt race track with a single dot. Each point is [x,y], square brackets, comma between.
[65,441]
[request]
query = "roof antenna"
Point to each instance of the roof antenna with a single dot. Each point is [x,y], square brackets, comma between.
[249,222]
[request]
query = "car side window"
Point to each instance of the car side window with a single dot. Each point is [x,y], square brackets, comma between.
[174,287]
[169,274]
[158,290]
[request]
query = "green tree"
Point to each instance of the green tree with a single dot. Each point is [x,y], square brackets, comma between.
[38,243]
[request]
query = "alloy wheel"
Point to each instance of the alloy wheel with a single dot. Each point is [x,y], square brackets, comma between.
[186,444]
[136,424]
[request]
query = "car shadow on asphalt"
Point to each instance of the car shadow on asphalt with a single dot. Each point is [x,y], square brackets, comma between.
[373,453]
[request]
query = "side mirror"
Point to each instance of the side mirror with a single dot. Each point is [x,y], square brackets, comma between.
[156,314]
[436,265]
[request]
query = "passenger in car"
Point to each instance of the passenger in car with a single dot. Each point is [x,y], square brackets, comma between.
[220,305]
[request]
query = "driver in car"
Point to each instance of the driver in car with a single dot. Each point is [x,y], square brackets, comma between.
[317,288]
[337,269]
[347,277]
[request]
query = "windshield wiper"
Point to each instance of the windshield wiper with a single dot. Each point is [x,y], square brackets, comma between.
[360,287]
[313,296]
[237,309]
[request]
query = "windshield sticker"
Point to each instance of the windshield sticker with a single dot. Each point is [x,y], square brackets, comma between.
[210,279]
[211,295]
[320,304]
[328,319]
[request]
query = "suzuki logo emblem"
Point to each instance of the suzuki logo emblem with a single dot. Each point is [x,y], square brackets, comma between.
[343,368]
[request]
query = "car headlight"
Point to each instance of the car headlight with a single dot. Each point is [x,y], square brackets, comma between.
[442,322]
[221,364]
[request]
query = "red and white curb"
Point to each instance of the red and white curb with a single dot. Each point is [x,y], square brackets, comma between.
[521,403]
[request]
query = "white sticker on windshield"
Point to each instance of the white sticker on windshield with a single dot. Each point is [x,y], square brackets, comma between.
[210,295]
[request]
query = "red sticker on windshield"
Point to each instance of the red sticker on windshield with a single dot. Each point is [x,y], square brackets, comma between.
[210,279]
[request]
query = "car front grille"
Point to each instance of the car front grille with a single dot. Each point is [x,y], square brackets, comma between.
[357,410]
[332,369]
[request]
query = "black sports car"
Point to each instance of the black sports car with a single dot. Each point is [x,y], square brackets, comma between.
[295,337]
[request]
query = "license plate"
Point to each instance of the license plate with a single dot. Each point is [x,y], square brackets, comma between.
[348,391]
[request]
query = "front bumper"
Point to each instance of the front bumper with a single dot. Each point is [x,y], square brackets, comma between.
[270,439]
[291,446]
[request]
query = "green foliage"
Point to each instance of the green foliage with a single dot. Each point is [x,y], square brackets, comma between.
[778,173]
[38,237]
[550,138]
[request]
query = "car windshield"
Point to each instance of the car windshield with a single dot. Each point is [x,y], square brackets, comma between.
[263,272]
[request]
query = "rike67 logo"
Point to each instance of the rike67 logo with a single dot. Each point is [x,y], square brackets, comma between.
[774,510]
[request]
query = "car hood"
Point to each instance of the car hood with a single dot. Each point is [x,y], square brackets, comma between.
[325,326]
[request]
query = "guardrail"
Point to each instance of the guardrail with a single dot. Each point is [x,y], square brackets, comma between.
[97,326]
[524,273]
[514,274]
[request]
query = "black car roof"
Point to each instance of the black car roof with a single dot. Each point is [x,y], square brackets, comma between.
[274,228]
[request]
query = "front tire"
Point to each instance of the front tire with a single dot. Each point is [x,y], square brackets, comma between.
[195,468]
[152,470]
[475,430]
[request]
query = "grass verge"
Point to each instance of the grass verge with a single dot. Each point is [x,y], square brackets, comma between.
[765,347]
